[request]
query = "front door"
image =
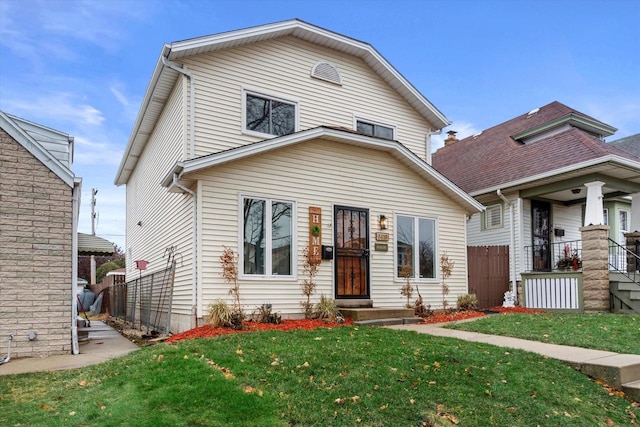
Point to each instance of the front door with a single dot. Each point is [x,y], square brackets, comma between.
[351,252]
[541,215]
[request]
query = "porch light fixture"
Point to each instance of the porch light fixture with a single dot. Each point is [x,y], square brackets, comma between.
[576,191]
[383,222]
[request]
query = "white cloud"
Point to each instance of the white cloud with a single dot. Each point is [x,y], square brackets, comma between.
[119,96]
[58,106]
[463,129]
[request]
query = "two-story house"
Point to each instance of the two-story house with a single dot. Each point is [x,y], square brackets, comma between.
[271,139]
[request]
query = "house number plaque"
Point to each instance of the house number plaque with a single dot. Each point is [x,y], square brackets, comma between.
[382,237]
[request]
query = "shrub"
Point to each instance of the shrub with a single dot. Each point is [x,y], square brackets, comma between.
[310,267]
[263,314]
[467,302]
[219,314]
[326,309]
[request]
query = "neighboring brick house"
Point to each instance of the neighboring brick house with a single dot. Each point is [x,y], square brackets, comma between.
[39,200]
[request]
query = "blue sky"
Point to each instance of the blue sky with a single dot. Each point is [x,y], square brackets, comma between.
[82,67]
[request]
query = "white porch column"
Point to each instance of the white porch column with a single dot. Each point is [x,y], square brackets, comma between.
[635,212]
[593,211]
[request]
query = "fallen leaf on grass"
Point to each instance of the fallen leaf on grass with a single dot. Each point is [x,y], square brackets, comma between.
[339,401]
[45,407]
[355,398]
[609,422]
[383,407]
[82,383]
[72,413]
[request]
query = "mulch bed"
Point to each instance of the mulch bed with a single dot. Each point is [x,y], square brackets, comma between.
[208,331]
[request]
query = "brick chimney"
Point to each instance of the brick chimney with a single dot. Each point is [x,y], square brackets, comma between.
[451,138]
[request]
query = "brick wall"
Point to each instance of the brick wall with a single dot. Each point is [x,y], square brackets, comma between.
[36,227]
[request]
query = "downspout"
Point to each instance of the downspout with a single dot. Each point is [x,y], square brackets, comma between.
[194,243]
[427,142]
[77,185]
[192,99]
[512,232]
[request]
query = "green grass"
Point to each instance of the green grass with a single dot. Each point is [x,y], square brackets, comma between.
[341,377]
[619,333]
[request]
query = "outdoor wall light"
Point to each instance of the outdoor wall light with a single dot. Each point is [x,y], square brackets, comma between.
[383,222]
[139,223]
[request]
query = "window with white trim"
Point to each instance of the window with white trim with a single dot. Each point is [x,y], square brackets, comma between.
[375,129]
[605,216]
[415,246]
[267,235]
[269,115]
[492,217]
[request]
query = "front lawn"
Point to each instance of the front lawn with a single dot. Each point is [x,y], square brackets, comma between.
[346,376]
[619,333]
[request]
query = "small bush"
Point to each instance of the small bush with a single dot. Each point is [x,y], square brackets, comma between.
[235,321]
[263,314]
[467,302]
[219,314]
[326,309]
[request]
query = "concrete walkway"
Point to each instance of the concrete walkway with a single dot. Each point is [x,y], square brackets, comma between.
[621,371]
[104,343]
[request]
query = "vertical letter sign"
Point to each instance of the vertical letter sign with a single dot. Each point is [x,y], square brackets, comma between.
[315,234]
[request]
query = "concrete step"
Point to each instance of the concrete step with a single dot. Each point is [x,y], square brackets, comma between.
[628,286]
[354,303]
[376,313]
[388,322]
[634,295]
[632,390]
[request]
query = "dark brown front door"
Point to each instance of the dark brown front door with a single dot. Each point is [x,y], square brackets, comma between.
[352,252]
[540,222]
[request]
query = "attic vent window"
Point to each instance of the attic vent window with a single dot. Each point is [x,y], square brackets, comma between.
[327,72]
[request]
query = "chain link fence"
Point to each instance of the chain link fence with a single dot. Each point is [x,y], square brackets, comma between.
[145,302]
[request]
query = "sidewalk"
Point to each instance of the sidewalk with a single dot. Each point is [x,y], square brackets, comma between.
[104,343]
[621,371]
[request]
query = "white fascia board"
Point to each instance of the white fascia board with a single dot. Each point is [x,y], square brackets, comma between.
[31,145]
[399,151]
[611,158]
[125,168]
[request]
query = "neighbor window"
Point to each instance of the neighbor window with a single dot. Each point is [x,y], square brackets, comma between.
[492,217]
[415,246]
[269,115]
[374,129]
[267,237]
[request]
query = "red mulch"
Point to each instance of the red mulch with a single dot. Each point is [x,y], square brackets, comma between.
[207,331]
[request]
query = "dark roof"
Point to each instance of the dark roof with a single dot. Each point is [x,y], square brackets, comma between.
[495,157]
[630,144]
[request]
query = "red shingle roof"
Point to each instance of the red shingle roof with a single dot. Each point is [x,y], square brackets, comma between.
[493,157]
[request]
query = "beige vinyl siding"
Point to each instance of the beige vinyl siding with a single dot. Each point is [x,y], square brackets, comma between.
[323,173]
[282,67]
[165,217]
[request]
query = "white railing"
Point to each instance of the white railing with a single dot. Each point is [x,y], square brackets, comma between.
[553,291]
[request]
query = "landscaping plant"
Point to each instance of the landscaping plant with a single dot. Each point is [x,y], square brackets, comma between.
[219,314]
[310,267]
[467,302]
[326,309]
[229,260]
[406,272]
[446,269]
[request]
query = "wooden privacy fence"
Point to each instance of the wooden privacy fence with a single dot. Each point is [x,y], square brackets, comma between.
[488,274]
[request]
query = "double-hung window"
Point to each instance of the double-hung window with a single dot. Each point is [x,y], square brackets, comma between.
[267,236]
[415,247]
[375,129]
[268,115]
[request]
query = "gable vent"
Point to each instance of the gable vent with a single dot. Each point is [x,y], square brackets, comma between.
[326,71]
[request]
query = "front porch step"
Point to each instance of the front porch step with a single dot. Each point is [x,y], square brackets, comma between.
[376,313]
[354,303]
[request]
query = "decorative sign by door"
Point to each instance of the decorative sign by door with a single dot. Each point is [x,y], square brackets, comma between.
[315,233]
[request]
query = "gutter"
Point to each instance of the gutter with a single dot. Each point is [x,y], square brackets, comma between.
[512,232]
[192,101]
[194,243]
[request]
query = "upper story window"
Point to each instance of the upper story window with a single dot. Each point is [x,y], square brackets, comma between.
[269,115]
[492,217]
[375,129]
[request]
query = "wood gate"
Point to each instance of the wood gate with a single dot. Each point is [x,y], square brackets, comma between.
[488,274]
